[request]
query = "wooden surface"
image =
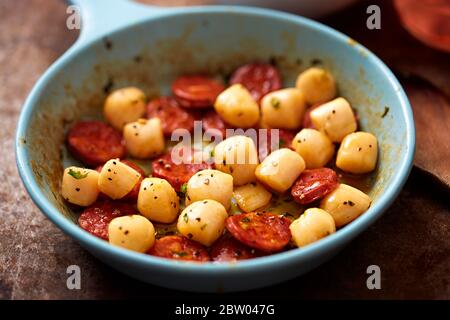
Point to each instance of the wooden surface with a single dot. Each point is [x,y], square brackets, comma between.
[410,243]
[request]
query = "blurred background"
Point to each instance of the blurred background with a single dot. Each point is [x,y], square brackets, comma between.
[427,20]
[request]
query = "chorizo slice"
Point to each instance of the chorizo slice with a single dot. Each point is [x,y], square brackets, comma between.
[172,116]
[212,120]
[196,91]
[228,249]
[95,142]
[258,78]
[179,248]
[176,174]
[264,231]
[314,184]
[96,218]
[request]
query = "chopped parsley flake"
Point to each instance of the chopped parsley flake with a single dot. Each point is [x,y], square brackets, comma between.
[77,174]
[275,103]
[180,254]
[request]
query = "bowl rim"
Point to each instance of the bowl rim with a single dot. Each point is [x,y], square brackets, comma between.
[286,258]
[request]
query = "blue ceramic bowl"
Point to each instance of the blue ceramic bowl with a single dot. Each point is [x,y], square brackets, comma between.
[146,46]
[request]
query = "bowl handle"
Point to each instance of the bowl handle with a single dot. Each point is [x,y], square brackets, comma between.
[98,17]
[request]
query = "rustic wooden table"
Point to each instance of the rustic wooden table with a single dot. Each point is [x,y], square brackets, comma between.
[410,243]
